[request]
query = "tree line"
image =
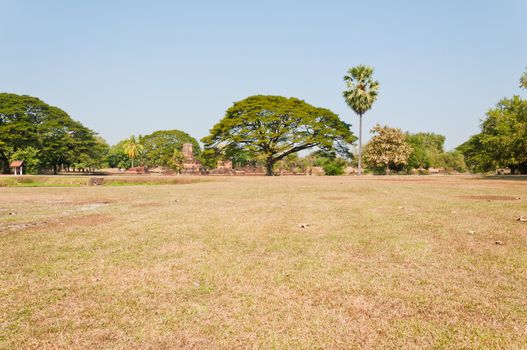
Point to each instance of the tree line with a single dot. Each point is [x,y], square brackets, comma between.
[266,131]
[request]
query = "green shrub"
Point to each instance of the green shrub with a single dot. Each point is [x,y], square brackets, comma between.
[334,167]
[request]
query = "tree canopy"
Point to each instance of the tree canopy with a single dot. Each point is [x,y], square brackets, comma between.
[361,90]
[387,147]
[159,146]
[425,148]
[28,123]
[503,139]
[155,149]
[273,127]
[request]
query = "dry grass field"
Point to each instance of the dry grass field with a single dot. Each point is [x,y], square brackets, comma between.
[380,262]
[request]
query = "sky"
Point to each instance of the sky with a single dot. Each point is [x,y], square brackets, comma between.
[133,67]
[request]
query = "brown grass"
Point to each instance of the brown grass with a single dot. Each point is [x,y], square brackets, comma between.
[385,263]
[493,198]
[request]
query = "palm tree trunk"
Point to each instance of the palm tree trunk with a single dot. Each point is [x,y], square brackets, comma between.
[360,145]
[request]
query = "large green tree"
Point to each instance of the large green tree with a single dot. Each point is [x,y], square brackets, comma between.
[503,139]
[273,127]
[159,146]
[426,147]
[360,94]
[27,121]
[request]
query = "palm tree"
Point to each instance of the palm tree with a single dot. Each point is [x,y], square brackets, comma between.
[360,94]
[133,148]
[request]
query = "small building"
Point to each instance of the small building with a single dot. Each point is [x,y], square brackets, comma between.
[17,167]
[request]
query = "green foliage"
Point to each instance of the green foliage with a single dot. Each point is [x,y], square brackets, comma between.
[387,148]
[523,80]
[159,146]
[361,91]
[133,148]
[26,121]
[155,149]
[426,148]
[428,140]
[454,161]
[503,139]
[334,167]
[321,157]
[176,161]
[269,128]
[30,157]
[96,159]
[329,161]
[117,158]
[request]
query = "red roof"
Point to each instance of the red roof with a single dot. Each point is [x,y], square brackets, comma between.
[16,163]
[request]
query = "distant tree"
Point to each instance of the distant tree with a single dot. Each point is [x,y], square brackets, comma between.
[30,157]
[360,94]
[426,147]
[159,146]
[387,148]
[523,80]
[95,158]
[503,139]
[476,158]
[133,148]
[117,157]
[26,121]
[176,161]
[453,161]
[273,127]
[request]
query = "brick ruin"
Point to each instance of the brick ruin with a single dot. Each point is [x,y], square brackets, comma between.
[223,167]
[191,165]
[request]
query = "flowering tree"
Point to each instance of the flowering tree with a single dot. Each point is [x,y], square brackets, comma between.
[387,147]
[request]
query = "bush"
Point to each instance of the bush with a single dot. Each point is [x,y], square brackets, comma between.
[334,167]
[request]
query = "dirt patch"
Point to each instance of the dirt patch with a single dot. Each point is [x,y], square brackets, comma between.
[89,202]
[147,205]
[86,220]
[492,198]
[333,198]
[58,199]
[402,181]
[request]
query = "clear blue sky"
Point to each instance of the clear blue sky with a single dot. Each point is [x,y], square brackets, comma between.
[132,67]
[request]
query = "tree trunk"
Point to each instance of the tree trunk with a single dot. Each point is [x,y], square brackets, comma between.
[387,169]
[5,163]
[269,167]
[360,145]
